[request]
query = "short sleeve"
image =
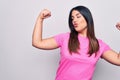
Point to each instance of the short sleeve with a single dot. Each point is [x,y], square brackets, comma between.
[59,39]
[103,47]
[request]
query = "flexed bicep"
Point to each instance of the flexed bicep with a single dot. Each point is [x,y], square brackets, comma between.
[112,57]
[37,40]
[46,44]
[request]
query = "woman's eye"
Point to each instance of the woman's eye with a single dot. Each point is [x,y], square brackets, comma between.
[78,16]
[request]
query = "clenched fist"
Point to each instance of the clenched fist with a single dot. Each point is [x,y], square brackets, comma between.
[118,25]
[44,14]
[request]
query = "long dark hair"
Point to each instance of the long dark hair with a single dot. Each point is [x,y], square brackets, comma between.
[74,44]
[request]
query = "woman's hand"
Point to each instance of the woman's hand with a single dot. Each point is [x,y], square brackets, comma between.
[118,25]
[44,14]
[37,40]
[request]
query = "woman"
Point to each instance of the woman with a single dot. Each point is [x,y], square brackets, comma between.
[79,48]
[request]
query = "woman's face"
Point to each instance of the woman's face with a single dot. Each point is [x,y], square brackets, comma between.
[79,22]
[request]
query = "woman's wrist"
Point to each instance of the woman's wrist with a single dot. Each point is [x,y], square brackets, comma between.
[40,19]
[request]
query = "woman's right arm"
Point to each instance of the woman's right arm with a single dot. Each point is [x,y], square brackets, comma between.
[37,41]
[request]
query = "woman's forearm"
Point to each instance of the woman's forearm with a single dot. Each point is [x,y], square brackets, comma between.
[37,32]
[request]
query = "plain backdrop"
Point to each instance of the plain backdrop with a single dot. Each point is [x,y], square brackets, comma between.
[19,60]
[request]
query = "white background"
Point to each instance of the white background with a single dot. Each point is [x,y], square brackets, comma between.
[20,61]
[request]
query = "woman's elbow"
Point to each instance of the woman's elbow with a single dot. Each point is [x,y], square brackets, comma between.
[35,44]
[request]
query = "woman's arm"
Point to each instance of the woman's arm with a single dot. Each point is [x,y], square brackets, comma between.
[112,57]
[37,41]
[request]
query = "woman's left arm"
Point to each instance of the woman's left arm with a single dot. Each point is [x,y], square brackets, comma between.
[112,57]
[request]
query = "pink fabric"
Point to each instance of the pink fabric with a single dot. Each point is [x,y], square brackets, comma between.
[77,66]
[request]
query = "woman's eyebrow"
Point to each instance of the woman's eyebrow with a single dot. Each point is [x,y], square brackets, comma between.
[76,14]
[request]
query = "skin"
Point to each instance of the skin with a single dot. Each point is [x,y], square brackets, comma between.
[80,26]
[79,23]
[37,40]
[118,25]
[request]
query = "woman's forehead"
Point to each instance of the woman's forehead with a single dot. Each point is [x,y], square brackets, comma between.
[75,12]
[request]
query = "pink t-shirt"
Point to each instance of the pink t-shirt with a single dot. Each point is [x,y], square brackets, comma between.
[77,66]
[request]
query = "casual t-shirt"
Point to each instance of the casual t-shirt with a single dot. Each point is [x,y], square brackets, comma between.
[77,66]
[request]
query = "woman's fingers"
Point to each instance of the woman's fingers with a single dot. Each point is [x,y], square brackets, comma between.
[118,26]
[45,14]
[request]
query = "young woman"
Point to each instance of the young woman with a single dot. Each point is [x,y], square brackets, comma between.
[79,48]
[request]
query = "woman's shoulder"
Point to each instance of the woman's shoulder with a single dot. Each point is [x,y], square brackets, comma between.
[101,42]
[61,37]
[65,34]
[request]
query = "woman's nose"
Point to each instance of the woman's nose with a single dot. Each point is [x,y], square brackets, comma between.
[74,20]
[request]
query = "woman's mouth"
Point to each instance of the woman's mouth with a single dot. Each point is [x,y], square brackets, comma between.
[75,24]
